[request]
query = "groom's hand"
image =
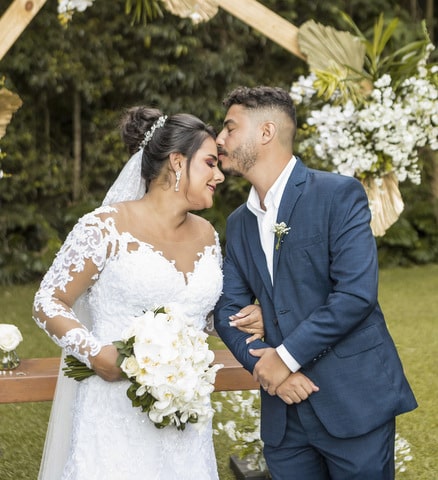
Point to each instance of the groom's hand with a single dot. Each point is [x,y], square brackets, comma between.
[296,388]
[270,371]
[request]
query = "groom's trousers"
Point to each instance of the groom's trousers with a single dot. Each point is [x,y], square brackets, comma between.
[309,452]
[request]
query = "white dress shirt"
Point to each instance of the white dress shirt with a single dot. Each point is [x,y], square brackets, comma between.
[266,220]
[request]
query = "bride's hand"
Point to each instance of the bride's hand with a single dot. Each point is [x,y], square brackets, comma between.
[105,364]
[249,320]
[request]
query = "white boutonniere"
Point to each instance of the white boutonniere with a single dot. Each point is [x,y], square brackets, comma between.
[280,229]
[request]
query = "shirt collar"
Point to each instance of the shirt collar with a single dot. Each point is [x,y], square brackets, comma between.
[274,194]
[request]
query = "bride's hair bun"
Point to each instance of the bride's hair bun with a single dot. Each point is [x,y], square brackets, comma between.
[135,122]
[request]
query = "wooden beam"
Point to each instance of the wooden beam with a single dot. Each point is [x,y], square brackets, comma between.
[16,18]
[35,379]
[265,21]
[233,376]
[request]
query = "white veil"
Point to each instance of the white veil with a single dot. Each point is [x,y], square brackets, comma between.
[129,185]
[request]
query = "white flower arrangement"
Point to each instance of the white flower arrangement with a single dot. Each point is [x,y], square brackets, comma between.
[198,11]
[382,135]
[169,364]
[368,113]
[66,8]
[10,337]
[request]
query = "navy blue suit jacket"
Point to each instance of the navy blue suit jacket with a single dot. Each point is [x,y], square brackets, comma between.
[322,305]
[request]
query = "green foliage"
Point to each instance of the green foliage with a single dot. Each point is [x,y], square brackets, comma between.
[27,243]
[142,10]
[114,61]
[380,59]
[382,56]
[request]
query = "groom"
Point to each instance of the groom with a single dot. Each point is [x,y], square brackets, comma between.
[316,281]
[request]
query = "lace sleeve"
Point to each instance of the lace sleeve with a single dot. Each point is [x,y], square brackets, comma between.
[75,268]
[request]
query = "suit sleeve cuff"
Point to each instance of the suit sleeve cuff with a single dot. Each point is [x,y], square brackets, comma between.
[288,359]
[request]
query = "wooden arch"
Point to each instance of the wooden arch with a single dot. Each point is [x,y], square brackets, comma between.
[276,28]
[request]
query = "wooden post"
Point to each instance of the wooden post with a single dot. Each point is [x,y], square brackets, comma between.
[16,18]
[265,21]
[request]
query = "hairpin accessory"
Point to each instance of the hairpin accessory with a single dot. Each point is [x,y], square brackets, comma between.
[178,178]
[149,133]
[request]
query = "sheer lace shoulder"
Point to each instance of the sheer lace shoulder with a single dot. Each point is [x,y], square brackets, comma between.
[76,266]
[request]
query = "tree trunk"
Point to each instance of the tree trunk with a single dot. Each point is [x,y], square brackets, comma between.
[46,147]
[77,145]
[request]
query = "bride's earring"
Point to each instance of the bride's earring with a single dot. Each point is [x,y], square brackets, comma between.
[178,178]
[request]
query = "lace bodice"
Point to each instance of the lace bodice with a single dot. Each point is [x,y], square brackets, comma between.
[121,277]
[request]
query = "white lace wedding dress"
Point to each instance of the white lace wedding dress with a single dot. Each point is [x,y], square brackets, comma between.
[110,439]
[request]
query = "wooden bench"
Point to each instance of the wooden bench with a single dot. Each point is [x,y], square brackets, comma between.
[35,379]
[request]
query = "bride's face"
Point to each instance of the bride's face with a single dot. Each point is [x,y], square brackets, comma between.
[205,175]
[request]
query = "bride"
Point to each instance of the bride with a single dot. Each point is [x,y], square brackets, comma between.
[141,249]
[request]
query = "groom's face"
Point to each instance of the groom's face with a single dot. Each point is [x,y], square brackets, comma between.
[237,147]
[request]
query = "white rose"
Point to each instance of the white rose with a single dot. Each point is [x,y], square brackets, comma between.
[130,366]
[10,337]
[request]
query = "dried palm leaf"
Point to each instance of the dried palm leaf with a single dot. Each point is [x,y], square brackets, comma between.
[336,57]
[385,201]
[325,45]
[9,103]
[197,10]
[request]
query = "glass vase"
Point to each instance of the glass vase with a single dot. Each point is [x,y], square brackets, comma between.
[9,360]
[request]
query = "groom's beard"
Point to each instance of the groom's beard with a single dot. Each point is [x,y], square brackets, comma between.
[241,160]
[231,171]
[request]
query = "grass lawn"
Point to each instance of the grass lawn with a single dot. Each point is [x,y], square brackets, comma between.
[409,300]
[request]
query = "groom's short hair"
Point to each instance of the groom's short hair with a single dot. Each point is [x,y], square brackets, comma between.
[262,97]
[265,99]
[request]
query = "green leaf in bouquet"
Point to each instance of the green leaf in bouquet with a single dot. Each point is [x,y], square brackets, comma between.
[193,418]
[125,349]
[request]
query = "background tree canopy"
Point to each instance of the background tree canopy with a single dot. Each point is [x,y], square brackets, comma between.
[63,147]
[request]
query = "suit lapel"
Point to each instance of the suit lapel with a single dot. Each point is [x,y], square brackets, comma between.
[291,194]
[252,236]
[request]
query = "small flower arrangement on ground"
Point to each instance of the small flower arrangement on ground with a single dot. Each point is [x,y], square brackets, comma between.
[169,364]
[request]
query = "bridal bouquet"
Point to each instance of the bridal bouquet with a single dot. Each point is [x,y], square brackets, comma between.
[168,362]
